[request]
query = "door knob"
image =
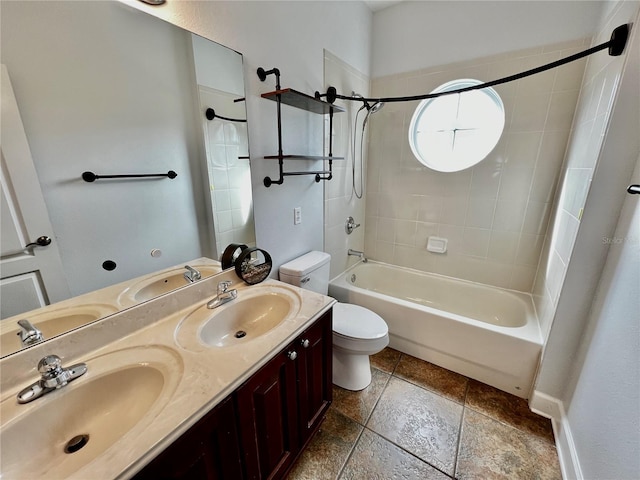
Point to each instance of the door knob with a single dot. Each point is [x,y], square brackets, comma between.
[292,355]
[42,241]
[305,343]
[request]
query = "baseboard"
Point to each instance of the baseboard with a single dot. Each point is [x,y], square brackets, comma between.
[552,408]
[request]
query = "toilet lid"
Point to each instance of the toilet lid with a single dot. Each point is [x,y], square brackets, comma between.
[358,322]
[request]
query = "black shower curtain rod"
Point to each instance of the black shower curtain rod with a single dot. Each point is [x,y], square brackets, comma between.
[615,45]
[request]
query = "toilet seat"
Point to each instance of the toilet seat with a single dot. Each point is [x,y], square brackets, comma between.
[354,321]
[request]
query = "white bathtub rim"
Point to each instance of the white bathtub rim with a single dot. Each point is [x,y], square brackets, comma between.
[517,293]
[530,331]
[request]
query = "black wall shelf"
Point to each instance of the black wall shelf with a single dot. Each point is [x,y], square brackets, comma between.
[297,99]
[294,98]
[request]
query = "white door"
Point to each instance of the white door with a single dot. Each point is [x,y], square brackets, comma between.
[29,277]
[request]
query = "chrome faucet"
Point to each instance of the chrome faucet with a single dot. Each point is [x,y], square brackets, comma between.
[191,275]
[29,335]
[224,295]
[53,376]
[357,253]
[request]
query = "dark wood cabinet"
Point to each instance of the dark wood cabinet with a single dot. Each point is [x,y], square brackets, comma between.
[315,372]
[259,430]
[287,400]
[208,450]
[269,425]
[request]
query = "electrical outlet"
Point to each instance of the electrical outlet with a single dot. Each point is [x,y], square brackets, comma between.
[297,215]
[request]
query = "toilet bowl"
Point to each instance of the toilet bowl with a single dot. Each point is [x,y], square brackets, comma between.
[357,331]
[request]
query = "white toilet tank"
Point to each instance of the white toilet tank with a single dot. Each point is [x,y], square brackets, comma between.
[310,271]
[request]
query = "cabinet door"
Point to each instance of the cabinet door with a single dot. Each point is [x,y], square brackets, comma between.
[315,375]
[210,450]
[268,408]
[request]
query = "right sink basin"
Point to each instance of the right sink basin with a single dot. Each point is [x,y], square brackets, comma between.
[255,312]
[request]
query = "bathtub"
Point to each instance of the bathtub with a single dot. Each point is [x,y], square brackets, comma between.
[483,332]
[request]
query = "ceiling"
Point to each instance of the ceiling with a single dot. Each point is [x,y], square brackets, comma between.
[376,5]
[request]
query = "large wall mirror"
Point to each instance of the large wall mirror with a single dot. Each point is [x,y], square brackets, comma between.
[104,88]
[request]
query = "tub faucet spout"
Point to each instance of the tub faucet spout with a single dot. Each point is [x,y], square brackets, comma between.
[357,253]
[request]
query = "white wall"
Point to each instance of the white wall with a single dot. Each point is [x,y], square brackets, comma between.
[292,37]
[83,114]
[415,35]
[599,160]
[589,380]
[603,410]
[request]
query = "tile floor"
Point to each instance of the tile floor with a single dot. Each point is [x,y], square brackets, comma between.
[419,421]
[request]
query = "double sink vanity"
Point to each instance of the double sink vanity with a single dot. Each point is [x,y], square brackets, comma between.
[176,388]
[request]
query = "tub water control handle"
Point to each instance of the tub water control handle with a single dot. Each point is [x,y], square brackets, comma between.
[350,225]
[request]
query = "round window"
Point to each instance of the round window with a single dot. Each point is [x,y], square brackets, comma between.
[456,131]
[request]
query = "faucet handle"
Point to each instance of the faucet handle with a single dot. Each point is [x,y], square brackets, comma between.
[223,286]
[49,366]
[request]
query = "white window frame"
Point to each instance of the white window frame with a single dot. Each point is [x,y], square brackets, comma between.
[434,151]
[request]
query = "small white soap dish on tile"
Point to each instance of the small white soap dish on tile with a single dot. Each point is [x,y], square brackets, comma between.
[437,244]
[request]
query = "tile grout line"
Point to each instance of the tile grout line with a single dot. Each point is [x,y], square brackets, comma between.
[464,404]
[409,452]
[391,441]
[458,446]
[531,434]
[353,448]
[366,420]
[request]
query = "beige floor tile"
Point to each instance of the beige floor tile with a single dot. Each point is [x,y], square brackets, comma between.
[508,409]
[432,377]
[374,458]
[420,421]
[328,450]
[359,405]
[386,360]
[491,450]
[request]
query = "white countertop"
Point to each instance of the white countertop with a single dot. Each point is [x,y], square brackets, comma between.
[201,375]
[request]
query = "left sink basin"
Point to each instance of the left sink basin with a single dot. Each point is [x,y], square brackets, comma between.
[51,322]
[60,433]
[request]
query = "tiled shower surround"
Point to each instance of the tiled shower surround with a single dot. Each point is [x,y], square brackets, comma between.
[495,214]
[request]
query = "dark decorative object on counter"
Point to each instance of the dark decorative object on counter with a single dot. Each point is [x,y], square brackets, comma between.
[250,268]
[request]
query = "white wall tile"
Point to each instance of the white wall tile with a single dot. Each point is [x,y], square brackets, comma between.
[475,241]
[503,246]
[484,210]
[480,212]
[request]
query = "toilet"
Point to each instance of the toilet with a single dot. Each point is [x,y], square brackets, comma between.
[357,331]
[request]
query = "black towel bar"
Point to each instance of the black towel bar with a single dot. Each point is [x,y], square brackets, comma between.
[210,114]
[92,177]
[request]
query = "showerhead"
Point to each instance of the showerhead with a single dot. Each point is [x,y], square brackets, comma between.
[371,109]
[375,107]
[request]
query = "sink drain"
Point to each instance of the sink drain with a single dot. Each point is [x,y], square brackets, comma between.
[240,334]
[76,443]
